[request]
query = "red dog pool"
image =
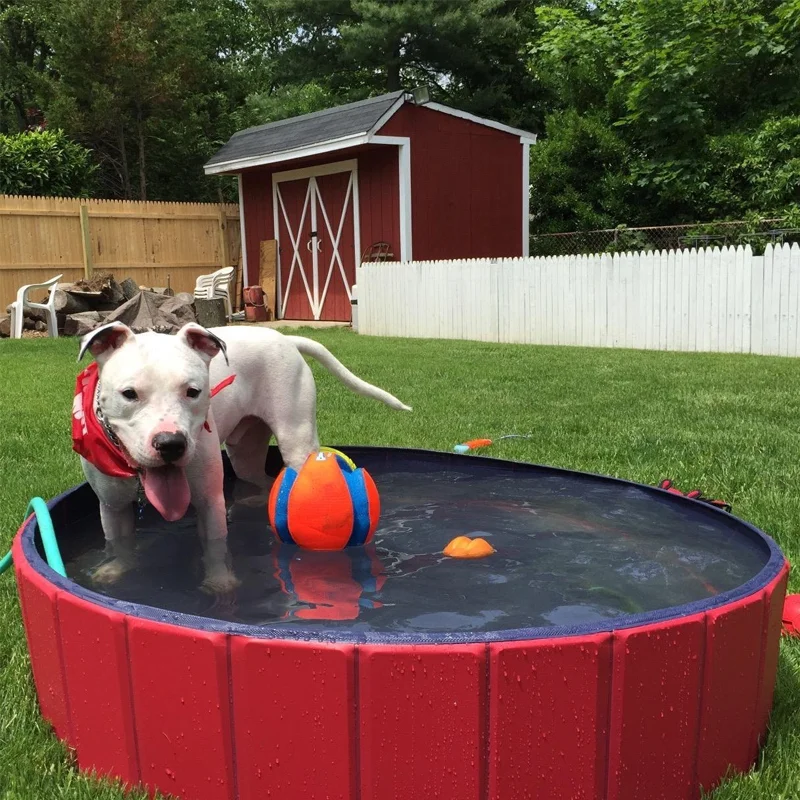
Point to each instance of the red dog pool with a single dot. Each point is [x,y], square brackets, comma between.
[622,643]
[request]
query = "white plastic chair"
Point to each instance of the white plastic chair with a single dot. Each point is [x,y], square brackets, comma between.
[21,303]
[216,284]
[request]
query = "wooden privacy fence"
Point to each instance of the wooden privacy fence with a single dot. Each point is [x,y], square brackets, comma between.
[153,243]
[724,300]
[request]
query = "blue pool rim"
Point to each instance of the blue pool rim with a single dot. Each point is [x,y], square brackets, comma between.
[757,583]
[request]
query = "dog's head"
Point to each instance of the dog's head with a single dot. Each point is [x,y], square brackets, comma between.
[154,389]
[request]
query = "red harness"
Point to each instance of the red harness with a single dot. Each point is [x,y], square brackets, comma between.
[91,440]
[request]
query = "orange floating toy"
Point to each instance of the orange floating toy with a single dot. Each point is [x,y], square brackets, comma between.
[464,547]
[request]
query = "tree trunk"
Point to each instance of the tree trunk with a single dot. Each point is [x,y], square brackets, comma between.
[44,53]
[142,164]
[126,176]
[19,110]
[393,69]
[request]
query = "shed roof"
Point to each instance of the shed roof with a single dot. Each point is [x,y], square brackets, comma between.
[296,132]
[293,137]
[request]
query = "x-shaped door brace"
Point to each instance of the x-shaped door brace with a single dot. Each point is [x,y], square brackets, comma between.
[314,200]
[295,240]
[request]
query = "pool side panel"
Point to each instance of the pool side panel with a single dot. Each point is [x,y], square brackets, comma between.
[422,721]
[655,690]
[734,640]
[549,707]
[654,679]
[774,596]
[40,614]
[97,671]
[181,697]
[294,719]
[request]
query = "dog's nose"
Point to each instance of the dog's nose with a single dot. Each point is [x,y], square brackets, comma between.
[170,446]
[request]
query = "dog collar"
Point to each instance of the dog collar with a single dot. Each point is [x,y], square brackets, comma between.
[218,388]
[101,418]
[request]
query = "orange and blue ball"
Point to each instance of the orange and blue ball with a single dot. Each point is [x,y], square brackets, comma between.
[329,504]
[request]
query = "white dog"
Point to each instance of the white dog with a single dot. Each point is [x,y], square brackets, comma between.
[156,408]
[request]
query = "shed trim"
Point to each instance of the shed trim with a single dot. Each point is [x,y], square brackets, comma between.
[524,136]
[403,144]
[242,240]
[388,114]
[320,169]
[526,198]
[288,155]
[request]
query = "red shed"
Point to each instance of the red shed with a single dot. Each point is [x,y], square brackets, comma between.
[383,179]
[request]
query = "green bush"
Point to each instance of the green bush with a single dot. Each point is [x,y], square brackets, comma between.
[578,174]
[45,163]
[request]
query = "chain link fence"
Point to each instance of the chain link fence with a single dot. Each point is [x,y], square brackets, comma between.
[665,237]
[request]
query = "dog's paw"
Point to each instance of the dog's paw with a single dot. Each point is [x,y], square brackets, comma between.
[250,495]
[257,500]
[220,583]
[110,572]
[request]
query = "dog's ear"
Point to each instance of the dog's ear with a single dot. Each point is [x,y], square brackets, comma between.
[103,341]
[202,341]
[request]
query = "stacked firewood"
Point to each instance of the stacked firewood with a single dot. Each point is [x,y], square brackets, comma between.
[82,306]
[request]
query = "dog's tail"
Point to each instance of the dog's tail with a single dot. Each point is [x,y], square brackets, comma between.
[308,347]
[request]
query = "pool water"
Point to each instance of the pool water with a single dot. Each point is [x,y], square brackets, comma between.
[572,549]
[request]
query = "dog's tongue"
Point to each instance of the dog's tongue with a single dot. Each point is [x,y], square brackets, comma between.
[168,491]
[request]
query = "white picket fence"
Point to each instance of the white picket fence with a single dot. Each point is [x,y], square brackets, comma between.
[724,300]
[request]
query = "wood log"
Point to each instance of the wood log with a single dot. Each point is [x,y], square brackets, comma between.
[33,314]
[129,288]
[211,313]
[112,293]
[66,303]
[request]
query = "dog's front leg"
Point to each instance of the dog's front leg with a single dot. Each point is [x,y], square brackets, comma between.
[205,476]
[119,523]
[117,497]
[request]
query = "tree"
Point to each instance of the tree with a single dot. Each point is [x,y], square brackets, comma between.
[149,85]
[693,89]
[579,177]
[466,53]
[652,112]
[23,55]
[45,163]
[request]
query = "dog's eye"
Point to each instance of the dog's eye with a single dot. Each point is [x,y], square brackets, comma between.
[193,393]
[130,394]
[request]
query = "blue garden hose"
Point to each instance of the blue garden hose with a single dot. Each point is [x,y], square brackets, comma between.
[48,534]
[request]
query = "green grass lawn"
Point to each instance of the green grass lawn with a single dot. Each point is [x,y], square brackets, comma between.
[728,425]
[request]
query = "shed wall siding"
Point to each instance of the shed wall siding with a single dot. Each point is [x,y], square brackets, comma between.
[466,183]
